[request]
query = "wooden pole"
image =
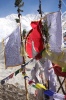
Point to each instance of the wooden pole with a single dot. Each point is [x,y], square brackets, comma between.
[23,53]
[60,4]
[65,85]
[40,10]
[41,95]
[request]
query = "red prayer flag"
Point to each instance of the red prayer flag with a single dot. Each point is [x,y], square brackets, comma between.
[35,36]
[10,76]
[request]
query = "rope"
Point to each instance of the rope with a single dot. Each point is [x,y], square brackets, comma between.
[63,3]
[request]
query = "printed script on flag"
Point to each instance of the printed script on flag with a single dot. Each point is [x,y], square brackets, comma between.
[12,49]
[55,31]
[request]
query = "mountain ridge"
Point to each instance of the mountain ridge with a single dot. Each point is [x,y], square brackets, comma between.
[8,24]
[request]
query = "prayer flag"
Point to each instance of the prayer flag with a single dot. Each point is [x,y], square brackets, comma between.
[55,52]
[55,31]
[58,70]
[40,86]
[12,49]
[16,72]
[49,92]
[36,38]
[58,96]
[11,75]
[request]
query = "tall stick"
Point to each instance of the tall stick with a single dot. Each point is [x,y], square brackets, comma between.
[65,85]
[19,4]
[40,10]
[23,53]
[60,4]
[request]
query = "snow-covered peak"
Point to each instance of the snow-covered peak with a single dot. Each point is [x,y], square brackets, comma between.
[8,24]
[12,16]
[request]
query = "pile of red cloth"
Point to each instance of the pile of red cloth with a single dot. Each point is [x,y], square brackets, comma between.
[58,70]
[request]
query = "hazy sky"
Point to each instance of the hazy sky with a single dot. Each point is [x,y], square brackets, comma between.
[30,6]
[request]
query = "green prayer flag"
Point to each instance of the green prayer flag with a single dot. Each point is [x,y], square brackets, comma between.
[34,86]
[16,72]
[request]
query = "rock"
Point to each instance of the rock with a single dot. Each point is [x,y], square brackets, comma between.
[11,92]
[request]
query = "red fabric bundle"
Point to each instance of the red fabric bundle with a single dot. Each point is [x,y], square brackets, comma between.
[58,70]
[34,36]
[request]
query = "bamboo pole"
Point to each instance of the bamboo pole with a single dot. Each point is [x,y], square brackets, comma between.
[60,5]
[65,85]
[40,10]
[23,54]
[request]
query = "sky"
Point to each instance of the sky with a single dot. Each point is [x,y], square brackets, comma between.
[30,7]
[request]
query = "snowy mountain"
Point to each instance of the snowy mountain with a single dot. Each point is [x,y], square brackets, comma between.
[8,24]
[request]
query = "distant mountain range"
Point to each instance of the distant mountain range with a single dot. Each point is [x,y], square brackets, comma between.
[8,24]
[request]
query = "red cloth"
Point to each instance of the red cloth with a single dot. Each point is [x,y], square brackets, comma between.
[58,70]
[35,36]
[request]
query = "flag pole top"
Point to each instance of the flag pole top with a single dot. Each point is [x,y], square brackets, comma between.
[40,10]
[60,5]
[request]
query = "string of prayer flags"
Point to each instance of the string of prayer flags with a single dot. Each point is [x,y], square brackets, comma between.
[7,78]
[15,73]
[49,92]
[10,76]
[25,64]
[38,86]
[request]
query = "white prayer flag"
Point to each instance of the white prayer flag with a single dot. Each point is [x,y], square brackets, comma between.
[12,49]
[55,31]
[58,96]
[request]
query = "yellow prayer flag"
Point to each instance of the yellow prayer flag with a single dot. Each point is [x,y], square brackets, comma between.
[40,86]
